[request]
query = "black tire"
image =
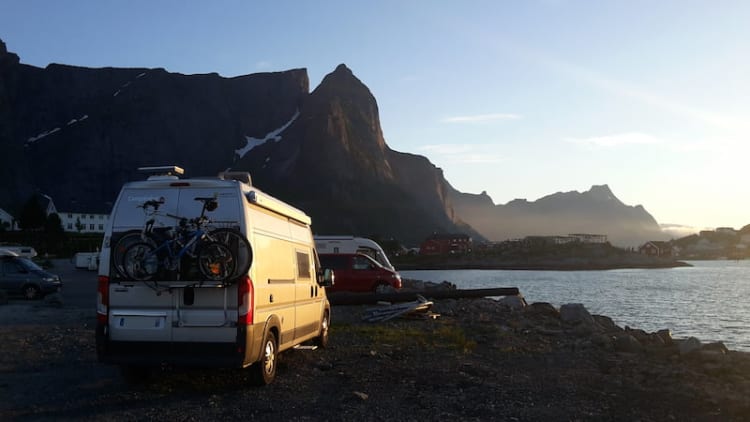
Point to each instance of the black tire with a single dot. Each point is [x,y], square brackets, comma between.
[325,325]
[216,262]
[118,250]
[265,368]
[31,292]
[240,247]
[381,287]
[139,261]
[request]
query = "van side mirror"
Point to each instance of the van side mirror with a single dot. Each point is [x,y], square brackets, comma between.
[326,277]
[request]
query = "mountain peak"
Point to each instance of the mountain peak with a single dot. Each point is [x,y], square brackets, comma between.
[601,191]
[343,69]
[342,78]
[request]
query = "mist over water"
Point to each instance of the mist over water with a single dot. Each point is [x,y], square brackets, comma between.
[710,301]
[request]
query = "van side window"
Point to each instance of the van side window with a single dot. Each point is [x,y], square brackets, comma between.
[334,262]
[303,265]
[361,263]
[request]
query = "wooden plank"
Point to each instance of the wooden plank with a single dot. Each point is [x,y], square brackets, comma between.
[349,298]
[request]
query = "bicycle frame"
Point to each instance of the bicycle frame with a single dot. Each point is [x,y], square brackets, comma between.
[193,237]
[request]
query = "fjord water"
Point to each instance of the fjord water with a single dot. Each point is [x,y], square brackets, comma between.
[710,301]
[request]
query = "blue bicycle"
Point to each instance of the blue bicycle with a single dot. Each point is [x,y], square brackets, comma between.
[220,254]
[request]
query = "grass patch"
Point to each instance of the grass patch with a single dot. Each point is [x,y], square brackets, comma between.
[443,336]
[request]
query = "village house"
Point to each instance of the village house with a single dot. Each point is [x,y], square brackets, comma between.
[656,248]
[443,244]
[7,221]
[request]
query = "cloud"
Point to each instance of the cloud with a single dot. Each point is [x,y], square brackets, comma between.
[618,139]
[477,118]
[461,153]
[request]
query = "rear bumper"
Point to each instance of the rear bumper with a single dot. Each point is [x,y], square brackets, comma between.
[194,354]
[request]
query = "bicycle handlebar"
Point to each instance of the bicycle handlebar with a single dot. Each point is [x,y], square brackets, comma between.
[151,203]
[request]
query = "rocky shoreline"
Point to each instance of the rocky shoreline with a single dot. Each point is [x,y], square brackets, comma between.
[480,359]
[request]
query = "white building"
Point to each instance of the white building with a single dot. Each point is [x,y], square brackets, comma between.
[589,238]
[79,222]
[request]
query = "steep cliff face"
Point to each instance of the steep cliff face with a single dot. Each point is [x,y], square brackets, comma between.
[77,134]
[333,162]
[596,211]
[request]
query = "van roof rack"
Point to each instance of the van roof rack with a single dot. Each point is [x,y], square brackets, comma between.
[240,176]
[162,172]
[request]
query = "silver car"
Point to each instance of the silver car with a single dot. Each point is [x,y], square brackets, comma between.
[21,276]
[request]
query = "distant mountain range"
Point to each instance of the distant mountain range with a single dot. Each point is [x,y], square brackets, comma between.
[596,211]
[77,134]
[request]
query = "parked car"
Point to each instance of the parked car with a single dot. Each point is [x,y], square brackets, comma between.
[357,272]
[20,276]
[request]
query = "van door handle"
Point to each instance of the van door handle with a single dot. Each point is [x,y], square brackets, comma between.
[270,298]
[311,292]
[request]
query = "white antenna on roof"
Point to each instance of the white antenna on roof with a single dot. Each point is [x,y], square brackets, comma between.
[162,172]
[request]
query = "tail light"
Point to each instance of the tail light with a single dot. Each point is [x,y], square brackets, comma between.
[102,299]
[245,301]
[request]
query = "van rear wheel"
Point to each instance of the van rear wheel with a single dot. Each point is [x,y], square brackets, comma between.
[265,368]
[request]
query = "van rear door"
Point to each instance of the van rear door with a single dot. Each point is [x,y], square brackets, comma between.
[173,310]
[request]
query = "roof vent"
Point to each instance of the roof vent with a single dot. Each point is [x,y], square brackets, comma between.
[162,172]
[240,176]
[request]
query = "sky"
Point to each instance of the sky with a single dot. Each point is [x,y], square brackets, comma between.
[520,99]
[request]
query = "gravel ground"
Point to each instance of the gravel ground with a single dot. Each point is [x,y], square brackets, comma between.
[477,361]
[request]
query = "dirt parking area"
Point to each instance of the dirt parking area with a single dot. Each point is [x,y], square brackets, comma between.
[478,361]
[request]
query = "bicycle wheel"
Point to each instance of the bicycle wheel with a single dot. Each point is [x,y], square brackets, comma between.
[216,261]
[119,248]
[140,262]
[240,247]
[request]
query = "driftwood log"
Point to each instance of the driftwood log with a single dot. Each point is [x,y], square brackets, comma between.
[349,298]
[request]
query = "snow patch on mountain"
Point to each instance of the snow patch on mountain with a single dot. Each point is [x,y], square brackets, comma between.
[274,136]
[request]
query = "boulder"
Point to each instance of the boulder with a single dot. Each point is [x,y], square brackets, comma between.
[513,302]
[542,308]
[606,324]
[666,336]
[575,313]
[688,345]
[627,343]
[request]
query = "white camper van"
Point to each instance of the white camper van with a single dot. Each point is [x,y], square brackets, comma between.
[352,244]
[207,272]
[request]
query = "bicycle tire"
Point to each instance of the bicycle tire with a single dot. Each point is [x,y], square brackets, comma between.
[216,262]
[238,245]
[121,246]
[139,261]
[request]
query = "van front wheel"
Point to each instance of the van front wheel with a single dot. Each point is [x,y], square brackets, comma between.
[322,340]
[265,368]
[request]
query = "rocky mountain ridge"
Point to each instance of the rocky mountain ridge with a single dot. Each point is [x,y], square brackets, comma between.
[596,211]
[77,134]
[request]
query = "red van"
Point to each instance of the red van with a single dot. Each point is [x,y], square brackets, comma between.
[358,273]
